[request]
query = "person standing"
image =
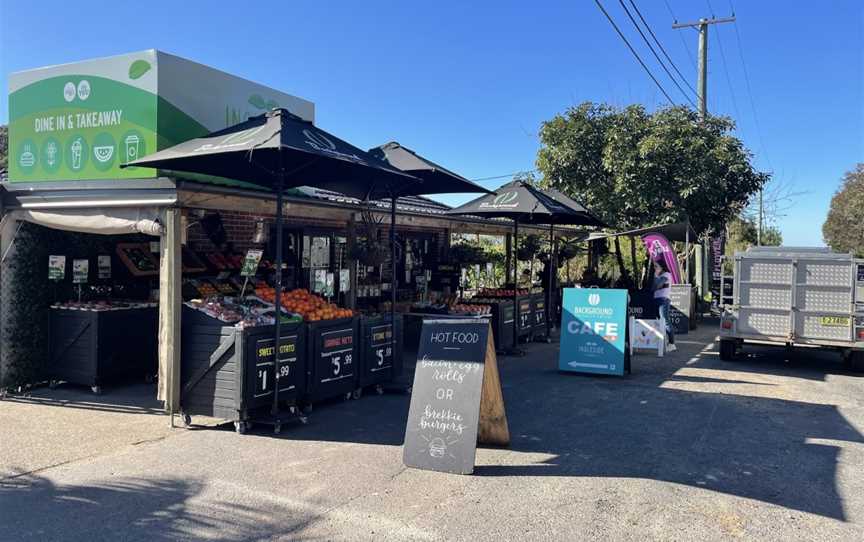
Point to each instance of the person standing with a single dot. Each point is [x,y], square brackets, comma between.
[662,288]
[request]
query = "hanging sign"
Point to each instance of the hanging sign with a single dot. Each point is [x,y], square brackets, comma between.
[250,263]
[56,267]
[344,280]
[456,400]
[103,264]
[80,271]
[593,328]
[319,282]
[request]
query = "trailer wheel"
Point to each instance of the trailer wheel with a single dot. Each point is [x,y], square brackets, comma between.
[727,350]
[856,360]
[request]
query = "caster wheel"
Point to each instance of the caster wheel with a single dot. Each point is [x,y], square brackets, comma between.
[304,420]
[241,427]
[97,390]
[277,429]
[357,394]
[52,384]
[348,396]
[187,419]
[379,389]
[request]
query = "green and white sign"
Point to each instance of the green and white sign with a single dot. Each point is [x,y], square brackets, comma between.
[81,121]
[80,271]
[56,267]
[250,263]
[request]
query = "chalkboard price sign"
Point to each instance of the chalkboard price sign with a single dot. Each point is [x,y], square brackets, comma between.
[265,351]
[456,397]
[525,317]
[680,298]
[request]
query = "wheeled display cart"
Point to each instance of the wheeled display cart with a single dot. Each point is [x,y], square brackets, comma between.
[332,356]
[525,316]
[502,324]
[380,350]
[94,347]
[230,372]
[538,302]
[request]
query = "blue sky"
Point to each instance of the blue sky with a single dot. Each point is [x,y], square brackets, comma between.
[468,85]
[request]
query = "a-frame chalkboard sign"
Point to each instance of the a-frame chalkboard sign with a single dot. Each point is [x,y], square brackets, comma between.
[456,400]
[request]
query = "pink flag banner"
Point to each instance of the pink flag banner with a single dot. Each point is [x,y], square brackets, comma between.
[661,249]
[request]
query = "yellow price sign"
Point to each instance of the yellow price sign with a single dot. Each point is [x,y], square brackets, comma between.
[834,321]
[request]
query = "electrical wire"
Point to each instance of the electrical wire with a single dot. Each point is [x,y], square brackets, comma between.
[750,90]
[726,71]
[654,52]
[503,176]
[680,35]
[660,45]
[632,50]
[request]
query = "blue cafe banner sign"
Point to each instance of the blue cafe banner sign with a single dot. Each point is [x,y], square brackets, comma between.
[593,328]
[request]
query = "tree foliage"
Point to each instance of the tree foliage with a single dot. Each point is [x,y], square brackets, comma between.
[844,228]
[636,169]
[4,146]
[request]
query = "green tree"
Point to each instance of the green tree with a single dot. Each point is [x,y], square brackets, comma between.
[635,169]
[844,228]
[741,235]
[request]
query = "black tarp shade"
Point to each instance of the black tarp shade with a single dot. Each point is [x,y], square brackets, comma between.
[434,179]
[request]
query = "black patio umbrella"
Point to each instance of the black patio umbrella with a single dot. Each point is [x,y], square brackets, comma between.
[279,150]
[435,179]
[526,204]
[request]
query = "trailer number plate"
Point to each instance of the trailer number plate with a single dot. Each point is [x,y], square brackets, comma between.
[834,321]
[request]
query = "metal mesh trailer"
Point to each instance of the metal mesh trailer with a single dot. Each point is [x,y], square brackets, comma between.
[795,296]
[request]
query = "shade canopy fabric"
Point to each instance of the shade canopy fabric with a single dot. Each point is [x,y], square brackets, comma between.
[521,202]
[435,179]
[254,150]
[109,221]
[680,231]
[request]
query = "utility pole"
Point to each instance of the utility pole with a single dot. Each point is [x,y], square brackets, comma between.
[702,82]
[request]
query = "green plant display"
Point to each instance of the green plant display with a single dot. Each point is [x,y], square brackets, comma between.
[26,344]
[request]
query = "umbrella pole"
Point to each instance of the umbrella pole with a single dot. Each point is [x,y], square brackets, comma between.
[551,284]
[393,266]
[277,300]
[515,258]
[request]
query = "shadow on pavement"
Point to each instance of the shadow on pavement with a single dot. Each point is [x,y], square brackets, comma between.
[127,399]
[771,450]
[34,508]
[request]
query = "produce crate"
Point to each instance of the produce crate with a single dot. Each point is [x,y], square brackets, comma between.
[93,348]
[230,373]
[525,315]
[538,302]
[502,324]
[332,354]
[380,350]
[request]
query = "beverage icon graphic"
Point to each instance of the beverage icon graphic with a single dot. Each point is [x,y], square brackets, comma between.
[27,158]
[51,154]
[103,153]
[76,154]
[131,147]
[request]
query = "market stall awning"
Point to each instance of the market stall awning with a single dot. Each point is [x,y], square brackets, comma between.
[435,179]
[280,145]
[519,201]
[673,232]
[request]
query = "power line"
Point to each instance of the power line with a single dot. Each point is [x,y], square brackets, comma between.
[654,52]
[750,91]
[660,45]
[632,50]
[726,70]
[683,43]
[504,176]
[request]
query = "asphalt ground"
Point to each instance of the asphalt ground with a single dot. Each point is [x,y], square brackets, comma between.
[687,447]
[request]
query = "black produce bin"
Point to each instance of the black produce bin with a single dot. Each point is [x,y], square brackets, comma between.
[538,302]
[97,347]
[229,373]
[380,350]
[502,325]
[332,353]
[525,315]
